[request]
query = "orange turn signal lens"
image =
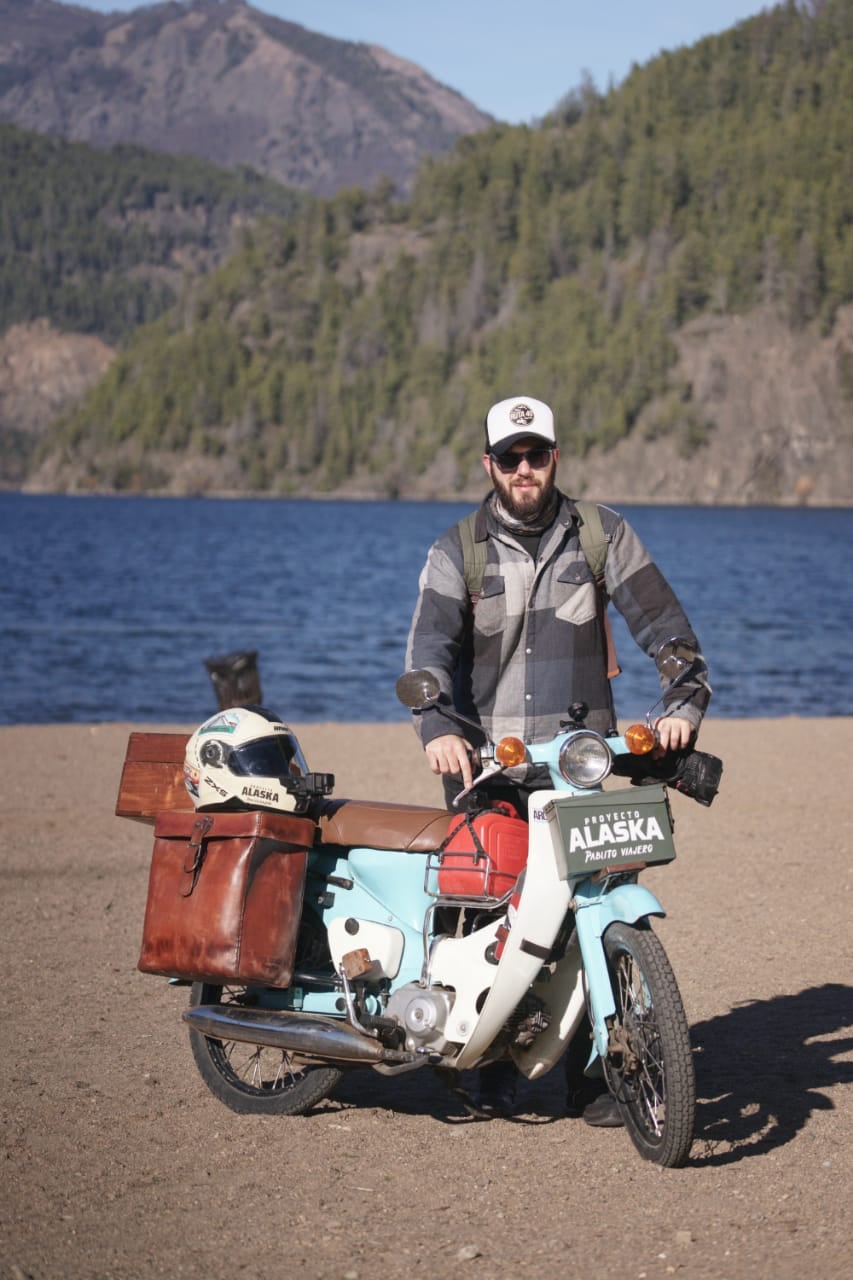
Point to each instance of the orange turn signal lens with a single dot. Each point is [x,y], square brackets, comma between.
[640,739]
[510,751]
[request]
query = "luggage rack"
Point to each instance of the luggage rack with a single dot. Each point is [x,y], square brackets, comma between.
[481,865]
[479,902]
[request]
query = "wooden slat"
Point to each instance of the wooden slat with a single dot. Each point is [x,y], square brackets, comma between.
[163,748]
[152,779]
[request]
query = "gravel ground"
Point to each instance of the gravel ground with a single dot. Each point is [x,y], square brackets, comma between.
[119,1163]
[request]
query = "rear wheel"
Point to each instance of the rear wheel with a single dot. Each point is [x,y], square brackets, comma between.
[650,1064]
[255,1079]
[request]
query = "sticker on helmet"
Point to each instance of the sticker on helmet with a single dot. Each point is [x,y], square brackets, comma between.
[214,786]
[260,793]
[226,722]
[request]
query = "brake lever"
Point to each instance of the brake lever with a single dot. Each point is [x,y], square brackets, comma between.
[489,772]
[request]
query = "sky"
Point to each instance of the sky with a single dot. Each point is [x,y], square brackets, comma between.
[513,60]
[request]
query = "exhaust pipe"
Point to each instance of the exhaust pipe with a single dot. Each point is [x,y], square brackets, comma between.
[310,1035]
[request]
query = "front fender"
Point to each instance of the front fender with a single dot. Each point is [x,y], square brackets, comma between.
[595,912]
[627,902]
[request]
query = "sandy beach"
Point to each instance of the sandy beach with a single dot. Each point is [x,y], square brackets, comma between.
[118,1163]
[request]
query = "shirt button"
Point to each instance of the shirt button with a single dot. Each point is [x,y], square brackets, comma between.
[527,697]
[528,650]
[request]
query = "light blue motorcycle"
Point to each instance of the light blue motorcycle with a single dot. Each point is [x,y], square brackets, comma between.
[430,939]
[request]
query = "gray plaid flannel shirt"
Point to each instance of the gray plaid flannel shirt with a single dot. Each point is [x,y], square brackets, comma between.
[534,643]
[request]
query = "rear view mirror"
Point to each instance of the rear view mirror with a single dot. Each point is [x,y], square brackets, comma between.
[418,690]
[675,658]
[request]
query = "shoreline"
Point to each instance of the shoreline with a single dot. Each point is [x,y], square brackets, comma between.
[472,497]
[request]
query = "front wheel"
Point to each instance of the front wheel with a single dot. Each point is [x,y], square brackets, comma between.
[649,1066]
[255,1079]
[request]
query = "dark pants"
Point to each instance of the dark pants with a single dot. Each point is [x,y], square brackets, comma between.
[577,1056]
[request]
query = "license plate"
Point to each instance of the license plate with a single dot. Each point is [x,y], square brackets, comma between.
[612,829]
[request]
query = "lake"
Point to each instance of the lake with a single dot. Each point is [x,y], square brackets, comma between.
[109,606]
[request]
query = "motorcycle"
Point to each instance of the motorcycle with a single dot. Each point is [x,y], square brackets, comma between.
[428,938]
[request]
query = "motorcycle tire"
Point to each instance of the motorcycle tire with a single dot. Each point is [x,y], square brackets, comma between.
[650,1070]
[255,1079]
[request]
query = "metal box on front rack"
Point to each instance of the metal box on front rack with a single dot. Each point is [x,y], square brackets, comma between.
[612,830]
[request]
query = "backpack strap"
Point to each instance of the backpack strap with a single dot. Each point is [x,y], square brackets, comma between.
[594,544]
[475,553]
[593,539]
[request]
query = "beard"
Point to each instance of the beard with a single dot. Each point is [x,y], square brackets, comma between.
[525,498]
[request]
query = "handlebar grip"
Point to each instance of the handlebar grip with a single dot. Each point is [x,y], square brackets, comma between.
[696,774]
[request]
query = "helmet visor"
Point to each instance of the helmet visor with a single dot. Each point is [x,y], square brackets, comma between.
[276,756]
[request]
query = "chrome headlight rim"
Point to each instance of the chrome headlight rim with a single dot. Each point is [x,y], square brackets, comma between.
[585,759]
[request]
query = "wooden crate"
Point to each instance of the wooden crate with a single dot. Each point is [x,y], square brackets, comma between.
[152,779]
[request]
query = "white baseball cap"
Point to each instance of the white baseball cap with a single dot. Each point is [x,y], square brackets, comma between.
[517,419]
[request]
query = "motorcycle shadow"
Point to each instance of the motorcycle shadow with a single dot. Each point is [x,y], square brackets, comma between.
[760,1069]
[431,1093]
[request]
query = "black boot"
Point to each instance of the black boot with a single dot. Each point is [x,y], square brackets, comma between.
[588,1097]
[595,1105]
[497,1087]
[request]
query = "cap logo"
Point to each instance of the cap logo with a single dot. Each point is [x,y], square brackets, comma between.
[521,415]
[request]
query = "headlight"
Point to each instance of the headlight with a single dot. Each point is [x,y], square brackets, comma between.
[585,760]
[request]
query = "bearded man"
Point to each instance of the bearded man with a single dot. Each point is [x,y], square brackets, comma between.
[513,656]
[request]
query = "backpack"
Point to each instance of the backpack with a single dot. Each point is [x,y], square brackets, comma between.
[593,542]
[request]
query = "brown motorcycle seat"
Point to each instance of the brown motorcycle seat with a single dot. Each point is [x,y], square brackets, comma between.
[363,823]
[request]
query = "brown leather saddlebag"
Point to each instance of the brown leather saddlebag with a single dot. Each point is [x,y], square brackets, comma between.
[225,896]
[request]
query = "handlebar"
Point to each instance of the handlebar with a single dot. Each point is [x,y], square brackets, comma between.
[693,773]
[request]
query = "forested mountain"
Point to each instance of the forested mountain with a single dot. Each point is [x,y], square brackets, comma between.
[226,82]
[99,241]
[670,264]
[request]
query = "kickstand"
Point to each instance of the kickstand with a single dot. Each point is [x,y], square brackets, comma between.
[450,1080]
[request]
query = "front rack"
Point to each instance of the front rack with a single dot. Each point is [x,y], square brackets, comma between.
[481,865]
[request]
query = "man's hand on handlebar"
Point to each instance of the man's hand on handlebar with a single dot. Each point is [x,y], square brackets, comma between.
[450,754]
[674,734]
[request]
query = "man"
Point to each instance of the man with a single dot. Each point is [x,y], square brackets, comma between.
[533,642]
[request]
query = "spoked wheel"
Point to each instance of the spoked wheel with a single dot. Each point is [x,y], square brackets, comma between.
[255,1079]
[650,1065]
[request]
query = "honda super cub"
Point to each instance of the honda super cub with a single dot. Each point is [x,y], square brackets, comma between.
[412,937]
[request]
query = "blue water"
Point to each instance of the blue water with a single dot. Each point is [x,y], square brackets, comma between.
[109,606]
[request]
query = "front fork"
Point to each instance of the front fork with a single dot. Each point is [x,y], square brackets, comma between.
[595,910]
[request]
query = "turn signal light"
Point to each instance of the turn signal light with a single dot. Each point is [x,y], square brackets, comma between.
[510,751]
[640,739]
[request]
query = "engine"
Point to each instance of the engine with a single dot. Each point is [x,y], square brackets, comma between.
[422,1013]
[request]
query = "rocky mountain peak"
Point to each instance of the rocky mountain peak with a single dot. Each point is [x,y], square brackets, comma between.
[221,80]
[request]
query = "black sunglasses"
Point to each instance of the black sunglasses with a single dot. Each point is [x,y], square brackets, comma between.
[535,458]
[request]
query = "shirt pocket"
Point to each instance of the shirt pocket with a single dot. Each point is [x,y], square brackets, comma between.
[490,611]
[577,595]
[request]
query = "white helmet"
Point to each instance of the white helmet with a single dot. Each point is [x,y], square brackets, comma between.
[244,758]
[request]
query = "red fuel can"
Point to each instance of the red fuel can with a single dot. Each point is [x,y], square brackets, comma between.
[484,854]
